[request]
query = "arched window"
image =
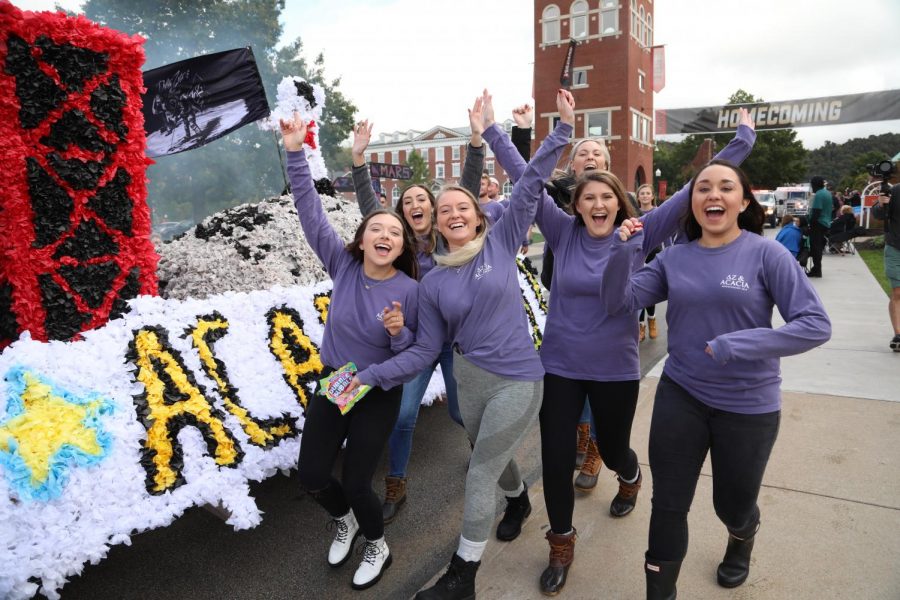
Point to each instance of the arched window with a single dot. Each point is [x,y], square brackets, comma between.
[395,194]
[649,30]
[507,188]
[635,27]
[641,24]
[551,24]
[578,22]
[609,17]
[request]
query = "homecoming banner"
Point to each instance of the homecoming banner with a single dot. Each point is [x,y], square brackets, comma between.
[809,112]
[178,403]
[193,102]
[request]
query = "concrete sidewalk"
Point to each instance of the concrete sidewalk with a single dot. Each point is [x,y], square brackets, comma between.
[830,500]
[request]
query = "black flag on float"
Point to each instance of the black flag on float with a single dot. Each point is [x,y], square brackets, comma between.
[195,101]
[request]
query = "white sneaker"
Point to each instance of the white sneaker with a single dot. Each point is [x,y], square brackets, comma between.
[376,560]
[346,532]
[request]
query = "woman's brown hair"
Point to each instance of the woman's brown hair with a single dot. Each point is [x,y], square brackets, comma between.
[626,209]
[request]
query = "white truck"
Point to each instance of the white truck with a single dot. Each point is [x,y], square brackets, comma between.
[766,199]
[792,200]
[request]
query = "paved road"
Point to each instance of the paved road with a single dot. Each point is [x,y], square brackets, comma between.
[199,556]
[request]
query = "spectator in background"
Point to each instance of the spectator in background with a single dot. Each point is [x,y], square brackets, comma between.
[819,222]
[494,189]
[888,209]
[790,235]
[382,200]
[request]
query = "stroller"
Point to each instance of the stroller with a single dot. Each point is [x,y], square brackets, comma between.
[839,239]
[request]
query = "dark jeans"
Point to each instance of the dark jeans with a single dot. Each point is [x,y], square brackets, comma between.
[366,427]
[613,404]
[817,246]
[682,431]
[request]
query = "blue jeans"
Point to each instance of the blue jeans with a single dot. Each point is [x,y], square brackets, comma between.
[400,442]
[587,417]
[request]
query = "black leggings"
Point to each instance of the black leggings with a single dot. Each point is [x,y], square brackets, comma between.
[682,431]
[650,311]
[366,427]
[613,404]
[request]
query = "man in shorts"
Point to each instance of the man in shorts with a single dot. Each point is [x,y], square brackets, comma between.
[888,209]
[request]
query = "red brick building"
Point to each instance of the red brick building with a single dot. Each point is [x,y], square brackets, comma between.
[611,76]
[444,151]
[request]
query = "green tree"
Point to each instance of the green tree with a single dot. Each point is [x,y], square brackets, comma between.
[778,157]
[845,163]
[420,173]
[244,165]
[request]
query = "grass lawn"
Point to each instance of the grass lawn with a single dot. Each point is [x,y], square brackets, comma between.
[874,259]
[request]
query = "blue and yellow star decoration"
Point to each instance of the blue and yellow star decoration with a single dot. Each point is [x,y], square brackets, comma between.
[48,431]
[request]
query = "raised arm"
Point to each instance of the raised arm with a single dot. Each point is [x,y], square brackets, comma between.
[362,178]
[624,290]
[806,322]
[662,222]
[528,191]
[473,165]
[319,232]
[521,132]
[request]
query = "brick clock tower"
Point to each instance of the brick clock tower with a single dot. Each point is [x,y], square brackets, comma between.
[611,77]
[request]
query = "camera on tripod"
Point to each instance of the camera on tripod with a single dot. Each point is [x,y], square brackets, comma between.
[884,169]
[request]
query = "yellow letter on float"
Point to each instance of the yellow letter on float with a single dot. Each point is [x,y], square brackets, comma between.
[172,400]
[264,433]
[298,355]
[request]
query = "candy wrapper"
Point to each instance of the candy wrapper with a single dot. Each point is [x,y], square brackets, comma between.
[333,387]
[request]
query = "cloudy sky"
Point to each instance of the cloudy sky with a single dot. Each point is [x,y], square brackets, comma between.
[409,64]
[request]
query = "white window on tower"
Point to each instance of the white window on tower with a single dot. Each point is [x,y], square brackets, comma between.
[641,81]
[609,17]
[551,24]
[578,21]
[579,78]
[596,124]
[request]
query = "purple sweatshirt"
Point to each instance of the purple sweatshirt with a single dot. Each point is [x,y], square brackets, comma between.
[723,297]
[354,330]
[582,340]
[478,306]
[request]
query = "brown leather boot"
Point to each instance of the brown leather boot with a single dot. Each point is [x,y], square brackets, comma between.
[590,470]
[651,328]
[394,497]
[562,553]
[584,436]
[625,500]
[642,333]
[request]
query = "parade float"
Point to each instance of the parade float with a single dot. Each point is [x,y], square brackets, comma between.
[130,390]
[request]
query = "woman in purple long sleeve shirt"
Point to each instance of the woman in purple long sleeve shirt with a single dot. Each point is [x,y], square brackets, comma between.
[375,271]
[587,351]
[472,299]
[720,389]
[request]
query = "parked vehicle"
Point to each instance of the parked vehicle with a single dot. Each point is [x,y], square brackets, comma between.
[792,200]
[168,230]
[766,198]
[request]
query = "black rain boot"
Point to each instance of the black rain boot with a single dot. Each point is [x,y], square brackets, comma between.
[517,510]
[458,583]
[661,578]
[735,567]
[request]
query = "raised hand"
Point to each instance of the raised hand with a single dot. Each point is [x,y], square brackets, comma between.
[745,118]
[476,117]
[487,102]
[523,116]
[362,135]
[393,319]
[565,104]
[293,131]
[629,227]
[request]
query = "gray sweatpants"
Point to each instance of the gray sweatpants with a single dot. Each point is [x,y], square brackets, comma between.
[497,413]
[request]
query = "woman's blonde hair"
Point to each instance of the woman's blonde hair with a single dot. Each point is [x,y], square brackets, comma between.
[471,249]
[567,172]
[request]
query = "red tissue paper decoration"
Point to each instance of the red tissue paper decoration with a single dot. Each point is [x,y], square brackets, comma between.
[74,221]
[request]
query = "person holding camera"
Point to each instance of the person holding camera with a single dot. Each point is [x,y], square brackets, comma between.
[888,209]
